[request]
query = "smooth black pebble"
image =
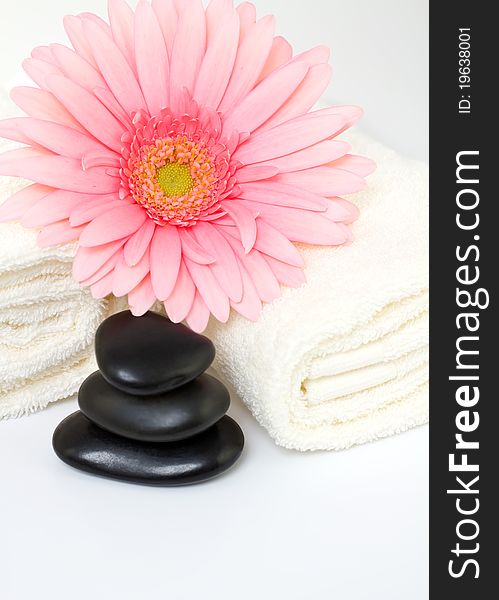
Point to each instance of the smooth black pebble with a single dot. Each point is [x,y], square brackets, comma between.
[85,446]
[150,354]
[167,417]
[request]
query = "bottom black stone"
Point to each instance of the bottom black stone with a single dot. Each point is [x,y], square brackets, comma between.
[83,445]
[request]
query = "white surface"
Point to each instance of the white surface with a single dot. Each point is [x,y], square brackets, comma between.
[281,525]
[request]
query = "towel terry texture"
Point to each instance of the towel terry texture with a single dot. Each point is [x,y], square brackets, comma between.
[341,361]
[344,359]
[47,323]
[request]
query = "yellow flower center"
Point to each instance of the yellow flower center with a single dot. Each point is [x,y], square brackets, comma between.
[175,179]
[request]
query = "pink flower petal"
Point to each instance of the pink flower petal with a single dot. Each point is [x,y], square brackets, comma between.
[76,68]
[106,268]
[286,274]
[74,29]
[151,58]
[58,172]
[348,233]
[341,211]
[324,181]
[38,70]
[225,269]
[180,6]
[114,107]
[280,54]
[304,97]
[22,201]
[121,19]
[314,56]
[126,278]
[351,114]
[265,99]
[139,242]
[319,154]
[218,62]
[193,250]
[114,68]
[93,207]
[167,18]
[54,207]
[180,301]
[41,104]
[9,129]
[199,315]
[83,105]
[114,224]
[302,226]
[16,155]
[256,173]
[359,165]
[103,158]
[89,260]
[88,16]
[253,51]
[103,287]
[275,193]
[166,253]
[289,137]
[247,17]
[261,274]
[58,233]
[216,11]
[60,139]
[214,297]
[245,222]
[250,305]
[142,297]
[42,53]
[270,241]
[188,50]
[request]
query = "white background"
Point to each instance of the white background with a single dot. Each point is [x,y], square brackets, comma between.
[281,525]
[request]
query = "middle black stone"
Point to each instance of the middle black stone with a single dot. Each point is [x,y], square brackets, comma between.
[167,417]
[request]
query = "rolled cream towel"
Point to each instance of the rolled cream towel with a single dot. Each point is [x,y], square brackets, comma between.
[344,359]
[47,323]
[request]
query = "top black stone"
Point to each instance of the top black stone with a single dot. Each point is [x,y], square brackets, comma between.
[150,354]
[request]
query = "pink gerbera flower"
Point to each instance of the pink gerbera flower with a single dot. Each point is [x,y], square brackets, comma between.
[176,145]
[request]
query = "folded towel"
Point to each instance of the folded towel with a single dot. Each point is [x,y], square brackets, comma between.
[47,323]
[344,359]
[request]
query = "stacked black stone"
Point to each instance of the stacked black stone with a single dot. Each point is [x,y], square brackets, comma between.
[150,415]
